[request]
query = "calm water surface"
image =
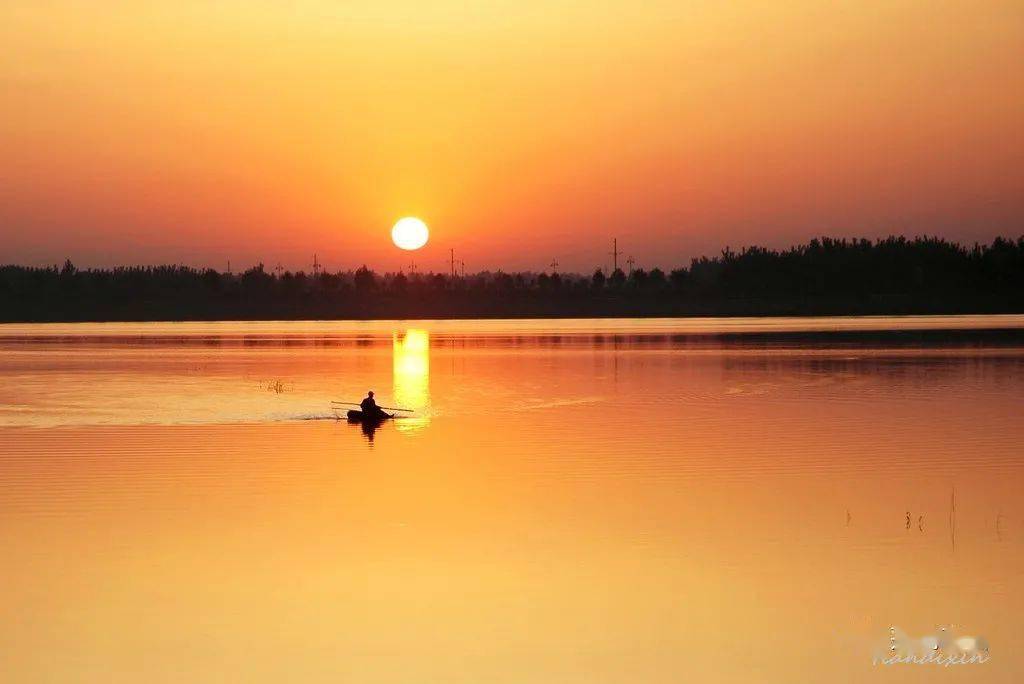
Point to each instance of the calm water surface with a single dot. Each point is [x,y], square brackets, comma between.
[731,500]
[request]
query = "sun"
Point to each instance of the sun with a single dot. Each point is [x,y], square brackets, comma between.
[410,233]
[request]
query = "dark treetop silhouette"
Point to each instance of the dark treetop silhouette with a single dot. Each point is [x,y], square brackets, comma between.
[827,276]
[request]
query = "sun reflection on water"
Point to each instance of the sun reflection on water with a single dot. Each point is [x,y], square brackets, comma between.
[411,376]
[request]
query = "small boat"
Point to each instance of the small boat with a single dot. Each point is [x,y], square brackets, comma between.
[356,416]
[360,417]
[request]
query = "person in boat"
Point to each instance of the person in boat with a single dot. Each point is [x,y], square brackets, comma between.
[370,409]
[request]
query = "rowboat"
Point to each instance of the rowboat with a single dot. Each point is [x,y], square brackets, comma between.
[355,416]
[360,417]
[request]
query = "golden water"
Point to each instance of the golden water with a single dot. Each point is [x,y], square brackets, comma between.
[571,501]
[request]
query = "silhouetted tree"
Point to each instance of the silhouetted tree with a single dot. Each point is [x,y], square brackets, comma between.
[503,282]
[399,284]
[212,280]
[826,275]
[439,282]
[679,277]
[255,280]
[364,280]
[638,278]
[656,278]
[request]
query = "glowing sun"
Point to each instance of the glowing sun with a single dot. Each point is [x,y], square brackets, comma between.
[410,233]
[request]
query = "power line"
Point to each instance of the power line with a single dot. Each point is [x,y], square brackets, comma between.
[615,254]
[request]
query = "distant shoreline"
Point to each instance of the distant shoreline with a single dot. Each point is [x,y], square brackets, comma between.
[826,277]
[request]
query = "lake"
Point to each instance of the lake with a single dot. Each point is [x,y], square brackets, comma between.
[712,500]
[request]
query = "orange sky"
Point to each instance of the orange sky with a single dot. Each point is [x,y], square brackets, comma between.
[197,132]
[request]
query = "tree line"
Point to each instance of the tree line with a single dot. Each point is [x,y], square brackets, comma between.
[833,276]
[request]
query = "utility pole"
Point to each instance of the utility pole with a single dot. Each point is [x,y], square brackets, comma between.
[229,266]
[412,267]
[615,254]
[316,265]
[451,262]
[463,265]
[554,266]
[630,261]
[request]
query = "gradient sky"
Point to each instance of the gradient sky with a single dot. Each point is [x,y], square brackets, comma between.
[197,132]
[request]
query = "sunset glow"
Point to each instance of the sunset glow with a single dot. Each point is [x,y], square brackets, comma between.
[406,341]
[205,132]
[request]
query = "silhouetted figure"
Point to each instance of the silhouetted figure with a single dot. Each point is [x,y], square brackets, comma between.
[370,409]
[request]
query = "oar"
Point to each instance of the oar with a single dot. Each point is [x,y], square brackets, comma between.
[388,408]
